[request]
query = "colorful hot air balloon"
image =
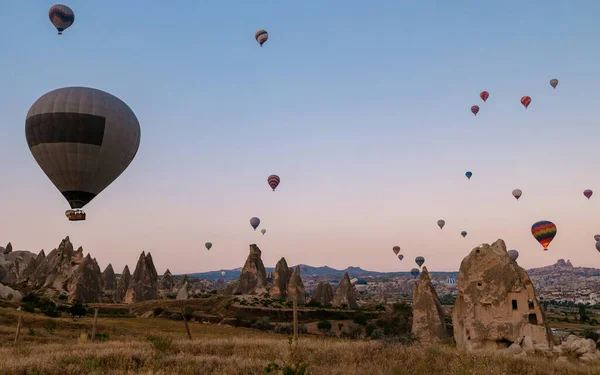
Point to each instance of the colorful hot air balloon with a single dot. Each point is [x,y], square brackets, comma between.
[255,222]
[263,231]
[588,193]
[598,245]
[544,232]
[513,254]
[463,233]
[475,109]
[441,223]
[517,193]
[484,95]
[554,82]
[273,181]
[261,36]
[469,174]
[415,272]
[61,16]
[396,249]
[419,260]
[208,245]
[83,139]
[597,237]
[526,100]
[400,256]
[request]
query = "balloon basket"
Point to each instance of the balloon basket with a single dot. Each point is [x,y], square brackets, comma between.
[75,215]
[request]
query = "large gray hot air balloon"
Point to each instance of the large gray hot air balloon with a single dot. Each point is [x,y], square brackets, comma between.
[513,254]
[83,139]
[598,245]
[441,223]
[255,222]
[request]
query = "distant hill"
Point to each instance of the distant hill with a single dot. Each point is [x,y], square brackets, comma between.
[562,267]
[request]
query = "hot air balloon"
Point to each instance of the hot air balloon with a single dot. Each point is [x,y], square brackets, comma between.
[269,276]
[517,193]
[526,100]
[419,260]
[263,231]
[544,232]
[598,245]
[513,254]
[554,82]
[255,222]
[304,268]
[469,174]
[400,256]
[463,233]
[61,16]
[222,273]
[475,109]
[441,224]
[220,281]
[484,95]
[261,36]
[83,139]
[415,272]
[588,193]
[597,237]
[396,249]
[273,181]
[208,245]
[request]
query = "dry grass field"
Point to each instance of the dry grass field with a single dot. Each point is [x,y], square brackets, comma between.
[160,346]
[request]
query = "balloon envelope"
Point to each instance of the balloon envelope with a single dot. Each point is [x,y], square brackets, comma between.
[263,231]
[415,272]
[83,139]
[61,16]
[597,237]
[441,223]
[469,174]
[484,95]
[419,260]
[526,100]
[554,82]
[513,254]
[598,245]
[400,256]
[273,181]
[255,222]
[517,193]
[208,245]
[544,232]
[261,36]
[588,193]
[475,109]
[396,249]
[222,273]
[463,233]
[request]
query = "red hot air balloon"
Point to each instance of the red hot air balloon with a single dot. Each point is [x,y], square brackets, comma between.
[475,109]
[526,100]
[396,249]
[588,193]
[484,95]
[273,181]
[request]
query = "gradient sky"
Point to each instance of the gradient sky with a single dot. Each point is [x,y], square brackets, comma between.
[362,109]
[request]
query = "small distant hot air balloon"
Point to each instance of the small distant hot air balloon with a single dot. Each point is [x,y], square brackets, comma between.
[517,193]
[588,193]
[554,82]
[475,109]
[598,245]
[513,254]
[441,223]
[484,95]
[255,222]
[400,256]
[415,272]
[208,245]
[597,237]
[269,276]
[463,233]
[526,100]
[261,37]
[220,281]
[469,174]
[419,260]
[396,249]
[222,273]
[61,16]
[263,231]
[273,181]
[544,232]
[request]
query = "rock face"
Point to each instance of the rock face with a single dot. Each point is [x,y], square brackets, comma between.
[496,304]
[183,292]
[281,280]
[110,281]
[428,325]
[13,264]
[166,281]
[253,279]
[296,288]
[9,293]
[323,293]
[123,285]
[86,282]
[345,294]
[31,267]
[7,249]
[144,283]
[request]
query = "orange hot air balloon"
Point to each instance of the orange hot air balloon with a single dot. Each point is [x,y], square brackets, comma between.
[475,109]
[484,95]
[526,100]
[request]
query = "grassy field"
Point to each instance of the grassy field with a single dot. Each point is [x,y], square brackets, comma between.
[125,347]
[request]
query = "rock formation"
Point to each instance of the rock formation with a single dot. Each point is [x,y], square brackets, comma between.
[496,304]
[85,283]
[428,326]
[253,279]
[7,249]
[166,282]
[110,281]
[345,294]
[184,291]
[123,285]
[296,288]
[13,264]
[144,283]
[9,293]
[31,267]
[54,270]
[281,280]
[323,293]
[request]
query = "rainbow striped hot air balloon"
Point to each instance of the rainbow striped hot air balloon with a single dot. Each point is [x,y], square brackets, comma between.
[544,232]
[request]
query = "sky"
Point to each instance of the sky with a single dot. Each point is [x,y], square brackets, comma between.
[362,109]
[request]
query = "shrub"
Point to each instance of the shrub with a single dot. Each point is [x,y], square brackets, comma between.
[380,308]
[314,303]
[302,329]
[51,311]
[266,295]
[324,325]
[340,326]
[263,323]
[31,332]
[77,309]
[27,307]
[369,328]
[287,329]
[160,343]
[50,326]
[63,297]
[354,331]
[188,312]
[589,333]
[360,319]
[157,311]
[31,298]
[376,334]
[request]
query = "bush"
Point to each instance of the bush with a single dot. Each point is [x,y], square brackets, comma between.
[360,319]
[157,311]
[50,326]
[287,329]
[31,298]
[63,297]
[380,308]
[369,328]
[324,325]
[263,323]
[314,303]
[302,329]
[27,307]
[340,326]
[589,333]
[77,309]
[160,343]
[51,311]
[376,334]
[188,312]
[266,295]
[354,331]
[31,332]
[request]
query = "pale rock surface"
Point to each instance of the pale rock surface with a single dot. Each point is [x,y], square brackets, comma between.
[428,324]
[253,279]
[345,294]
[323,293]
[514,349]
[31,267]
[296,289]
[496,303]
[527,345]
[281,280]
[563,360]
[183,292]
[6,291]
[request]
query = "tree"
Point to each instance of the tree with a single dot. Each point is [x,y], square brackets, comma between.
[583,315]
[324,325]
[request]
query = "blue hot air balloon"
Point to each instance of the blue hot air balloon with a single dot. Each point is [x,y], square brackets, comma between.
[415,272]
[469,174]
[419,260]
[255,222]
